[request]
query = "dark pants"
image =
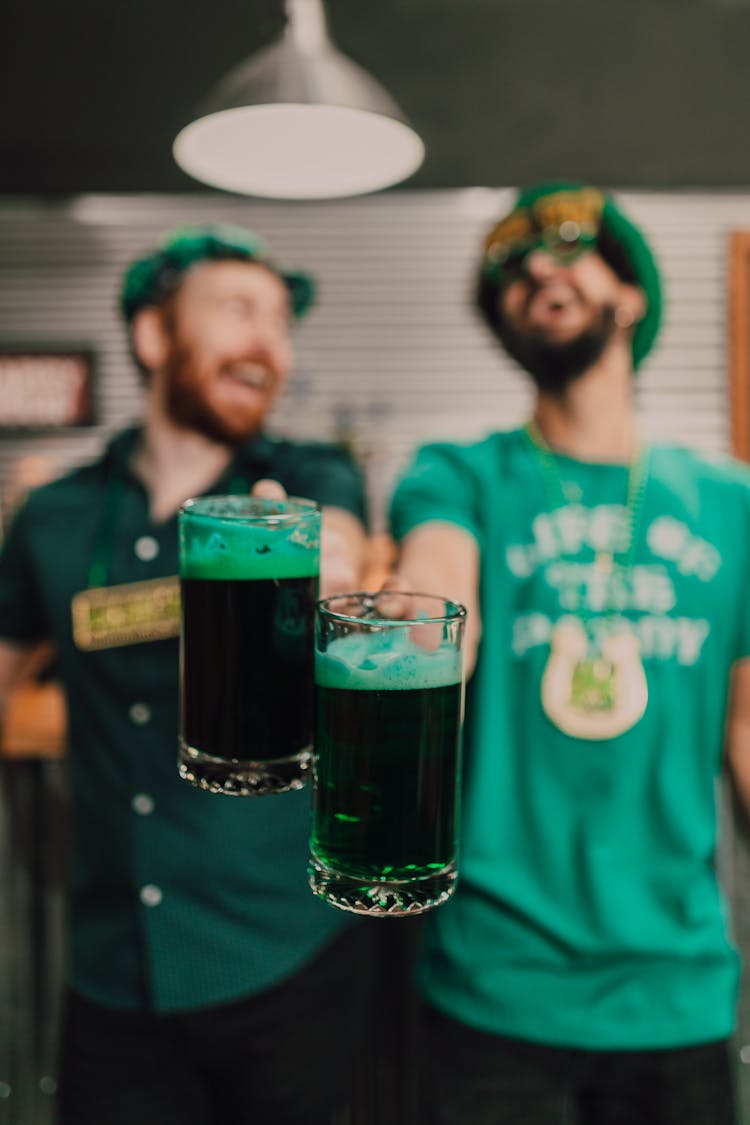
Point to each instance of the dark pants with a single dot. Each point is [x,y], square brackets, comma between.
[470,1078]
[283,1057]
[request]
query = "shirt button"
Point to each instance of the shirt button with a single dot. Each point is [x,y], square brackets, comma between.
[146,548]
[151,895]
[139,713]
[143,804]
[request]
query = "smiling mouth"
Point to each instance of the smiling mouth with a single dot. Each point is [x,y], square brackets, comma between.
[549,301]
[252,375]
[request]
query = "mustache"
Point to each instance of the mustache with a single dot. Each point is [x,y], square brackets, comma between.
[537,287]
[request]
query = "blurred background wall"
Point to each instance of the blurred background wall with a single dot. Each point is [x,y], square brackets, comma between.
[648,97]
[394,353]
[392,356]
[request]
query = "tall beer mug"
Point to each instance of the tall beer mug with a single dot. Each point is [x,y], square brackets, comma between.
[389,709]
[249,581]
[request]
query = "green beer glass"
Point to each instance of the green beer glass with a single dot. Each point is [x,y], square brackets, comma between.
[248,584]
[389,709]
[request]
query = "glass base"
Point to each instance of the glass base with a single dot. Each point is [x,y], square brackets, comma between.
[244,778]
[384,898]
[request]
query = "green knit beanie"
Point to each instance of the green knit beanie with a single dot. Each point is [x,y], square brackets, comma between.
[615,238]
[149,280]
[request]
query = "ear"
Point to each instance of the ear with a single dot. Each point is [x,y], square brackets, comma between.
[632,300]
[150,337]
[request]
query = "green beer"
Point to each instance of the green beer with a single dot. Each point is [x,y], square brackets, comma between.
[386,766]
[249,579]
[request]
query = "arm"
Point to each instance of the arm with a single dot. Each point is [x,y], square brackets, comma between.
[23,621]
[14,661]
[442,558]
[738,731]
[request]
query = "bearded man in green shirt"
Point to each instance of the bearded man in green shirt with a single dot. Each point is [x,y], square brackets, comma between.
[582,974]
[207,986]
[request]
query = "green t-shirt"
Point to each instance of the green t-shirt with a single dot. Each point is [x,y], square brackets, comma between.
[587,912]
[179,898]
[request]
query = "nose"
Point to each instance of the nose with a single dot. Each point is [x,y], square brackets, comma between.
[262,341]
[271,346]
[539,265]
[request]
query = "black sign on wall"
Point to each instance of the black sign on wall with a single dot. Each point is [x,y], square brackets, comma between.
[51,389]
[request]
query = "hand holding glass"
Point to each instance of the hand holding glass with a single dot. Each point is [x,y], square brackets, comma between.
[389,707]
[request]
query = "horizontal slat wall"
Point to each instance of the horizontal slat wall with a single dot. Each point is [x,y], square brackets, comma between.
[393,355]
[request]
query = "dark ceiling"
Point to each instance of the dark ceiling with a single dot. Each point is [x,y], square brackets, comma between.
[635,93]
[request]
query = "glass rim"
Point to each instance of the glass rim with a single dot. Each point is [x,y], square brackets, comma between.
[457,611]
[296,508]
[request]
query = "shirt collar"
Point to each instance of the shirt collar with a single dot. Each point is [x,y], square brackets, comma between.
[252,459]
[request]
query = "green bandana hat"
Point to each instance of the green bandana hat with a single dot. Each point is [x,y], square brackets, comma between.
[568,219]
[149,280]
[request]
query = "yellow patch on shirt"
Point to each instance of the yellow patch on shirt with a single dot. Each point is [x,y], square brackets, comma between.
[130,614]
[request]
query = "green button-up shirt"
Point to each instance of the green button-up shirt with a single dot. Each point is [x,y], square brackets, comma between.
[179,898]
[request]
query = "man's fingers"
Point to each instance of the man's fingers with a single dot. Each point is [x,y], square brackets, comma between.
[268,490]
[337,572]
[394,602]
[337,578]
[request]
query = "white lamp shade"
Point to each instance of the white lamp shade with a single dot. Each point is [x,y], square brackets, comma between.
[293,151]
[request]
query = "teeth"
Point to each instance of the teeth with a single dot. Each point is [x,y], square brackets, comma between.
[252,374]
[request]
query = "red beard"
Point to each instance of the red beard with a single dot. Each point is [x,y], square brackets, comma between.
[189,404]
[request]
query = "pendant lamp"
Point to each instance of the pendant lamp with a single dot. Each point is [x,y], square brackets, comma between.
[299,120]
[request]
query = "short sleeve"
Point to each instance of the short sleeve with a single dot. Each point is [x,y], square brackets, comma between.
[328,474]
[22,615]
[440,484]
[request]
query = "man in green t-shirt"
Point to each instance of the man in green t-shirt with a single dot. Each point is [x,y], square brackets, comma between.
[206,983]
[582,974]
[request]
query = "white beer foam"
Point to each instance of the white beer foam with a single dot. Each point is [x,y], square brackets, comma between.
[386,660]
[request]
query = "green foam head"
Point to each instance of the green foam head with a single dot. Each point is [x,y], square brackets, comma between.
[244,537]
[387,660]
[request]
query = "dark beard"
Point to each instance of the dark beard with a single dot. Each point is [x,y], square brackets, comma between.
[552,366]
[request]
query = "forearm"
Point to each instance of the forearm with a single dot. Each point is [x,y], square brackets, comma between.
[443,559]
[16,661]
